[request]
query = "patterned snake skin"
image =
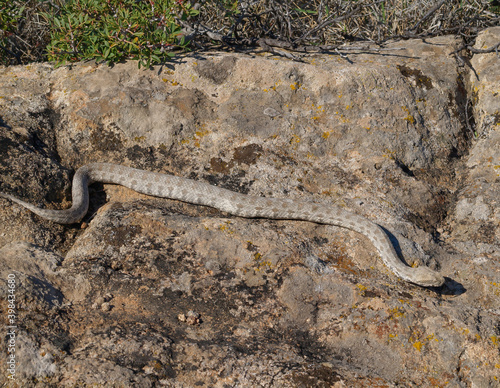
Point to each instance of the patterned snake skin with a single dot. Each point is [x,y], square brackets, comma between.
[199,193]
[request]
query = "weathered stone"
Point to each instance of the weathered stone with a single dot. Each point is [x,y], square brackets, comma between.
[154,292]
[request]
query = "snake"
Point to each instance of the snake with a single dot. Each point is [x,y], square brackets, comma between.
[237,204]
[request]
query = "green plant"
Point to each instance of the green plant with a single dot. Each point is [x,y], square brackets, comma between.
[494,6]
[10,13]
[115,30]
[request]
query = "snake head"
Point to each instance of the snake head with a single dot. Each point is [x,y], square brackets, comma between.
[427,277]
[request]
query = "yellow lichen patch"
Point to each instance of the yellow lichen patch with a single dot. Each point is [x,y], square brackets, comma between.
[495,288]
[418,345]
[295,139]
[272,87]
[341,117]
[225,227]
[139,138]
[319,112]
[397,312]
[409,116]
[361,287]
[495,340]
[362,291]
[432,337]
[261,264]
[171,81]
[202,133]
[439,383]
[295,86]
[326,134]
[389,154]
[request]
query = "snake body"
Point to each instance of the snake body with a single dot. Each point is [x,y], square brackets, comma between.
[200,193]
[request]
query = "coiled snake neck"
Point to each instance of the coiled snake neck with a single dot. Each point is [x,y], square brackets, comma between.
[200,193]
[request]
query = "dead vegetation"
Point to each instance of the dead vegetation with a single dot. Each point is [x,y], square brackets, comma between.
[326,24]
[303,26]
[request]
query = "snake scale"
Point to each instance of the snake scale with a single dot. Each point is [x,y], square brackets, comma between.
[200,193]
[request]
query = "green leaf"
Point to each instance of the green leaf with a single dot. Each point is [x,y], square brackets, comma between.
[128,31]
[306,11]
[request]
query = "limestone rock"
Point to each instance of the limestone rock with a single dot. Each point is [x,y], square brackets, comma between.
[154,292]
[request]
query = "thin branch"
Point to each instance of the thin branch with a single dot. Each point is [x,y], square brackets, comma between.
[485,51]
[475,50]
[11,53]
[428,15]
[331,20]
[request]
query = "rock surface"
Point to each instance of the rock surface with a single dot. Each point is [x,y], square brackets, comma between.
[153,292]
